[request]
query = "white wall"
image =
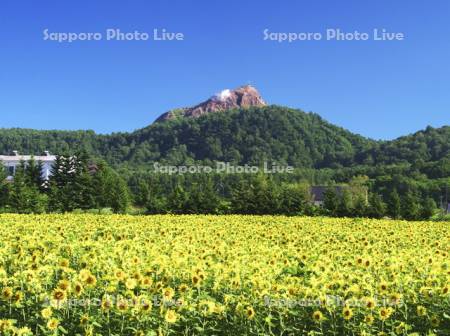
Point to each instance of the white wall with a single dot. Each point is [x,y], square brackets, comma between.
[46,170]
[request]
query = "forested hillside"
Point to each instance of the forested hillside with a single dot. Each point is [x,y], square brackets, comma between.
[431,144]
[407,177]
[251,136]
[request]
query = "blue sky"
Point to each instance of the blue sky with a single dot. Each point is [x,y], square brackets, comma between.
[381,89]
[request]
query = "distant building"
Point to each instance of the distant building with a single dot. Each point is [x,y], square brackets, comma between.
[318,192]
[11,162]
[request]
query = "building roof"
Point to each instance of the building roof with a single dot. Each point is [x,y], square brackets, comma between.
[17,157]
[318,192]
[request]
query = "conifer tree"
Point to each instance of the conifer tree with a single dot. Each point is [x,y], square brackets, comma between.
[345,207]
[394,205]
[25,198]
[331,201]
[428,208]
[360,206]
[377,208]
[410,207]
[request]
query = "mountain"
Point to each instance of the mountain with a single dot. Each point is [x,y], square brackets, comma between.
[243,136]
[241,97]
[248,136]
[237,126]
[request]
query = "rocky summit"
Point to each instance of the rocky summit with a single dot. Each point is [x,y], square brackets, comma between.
[241,97]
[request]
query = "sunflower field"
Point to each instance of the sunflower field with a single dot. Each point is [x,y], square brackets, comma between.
[222,275]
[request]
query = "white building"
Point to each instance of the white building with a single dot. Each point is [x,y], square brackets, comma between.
[12,161]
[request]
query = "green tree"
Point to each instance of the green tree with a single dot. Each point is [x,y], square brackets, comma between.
[264,195]
[377,208]
[410,207]
[25,198]
[4,187]
[59,198]
[331,201]
[294,199]
[394,205]
[203,198]
[360,206]
[255,194]
[151,196]
[109,189]
[241,197]
[75,187]
[345,205]
[33,173]
[177,200]
[428,208]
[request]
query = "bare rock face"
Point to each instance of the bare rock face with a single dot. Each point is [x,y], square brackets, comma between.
[242,97]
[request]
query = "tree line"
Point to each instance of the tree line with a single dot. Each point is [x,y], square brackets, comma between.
[82,183]
[76,184]
[267,194]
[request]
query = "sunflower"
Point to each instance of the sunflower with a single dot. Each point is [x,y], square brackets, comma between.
[24,331]
[171,316]
[385,313]
[6,325]
[122,305]
[369,319]
[106,304]
[7,293]
[137,276]
[347,313]
[17,297]
[369,303]
[168,293]
[435,321]
[147,282]
[183,288]
[63,284]
[250,313]
[211,307]
[196,280]
[120,275]
[400,328]
[145,305]
[84,319]
[395,299]
[158,285]
[64,263]
[46,313]
[221,260]
[130,283]
[421,311]
[59,295]
[78,288]
[52,324]
[84,274]
[383,287]
[91,280]
[317,316]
